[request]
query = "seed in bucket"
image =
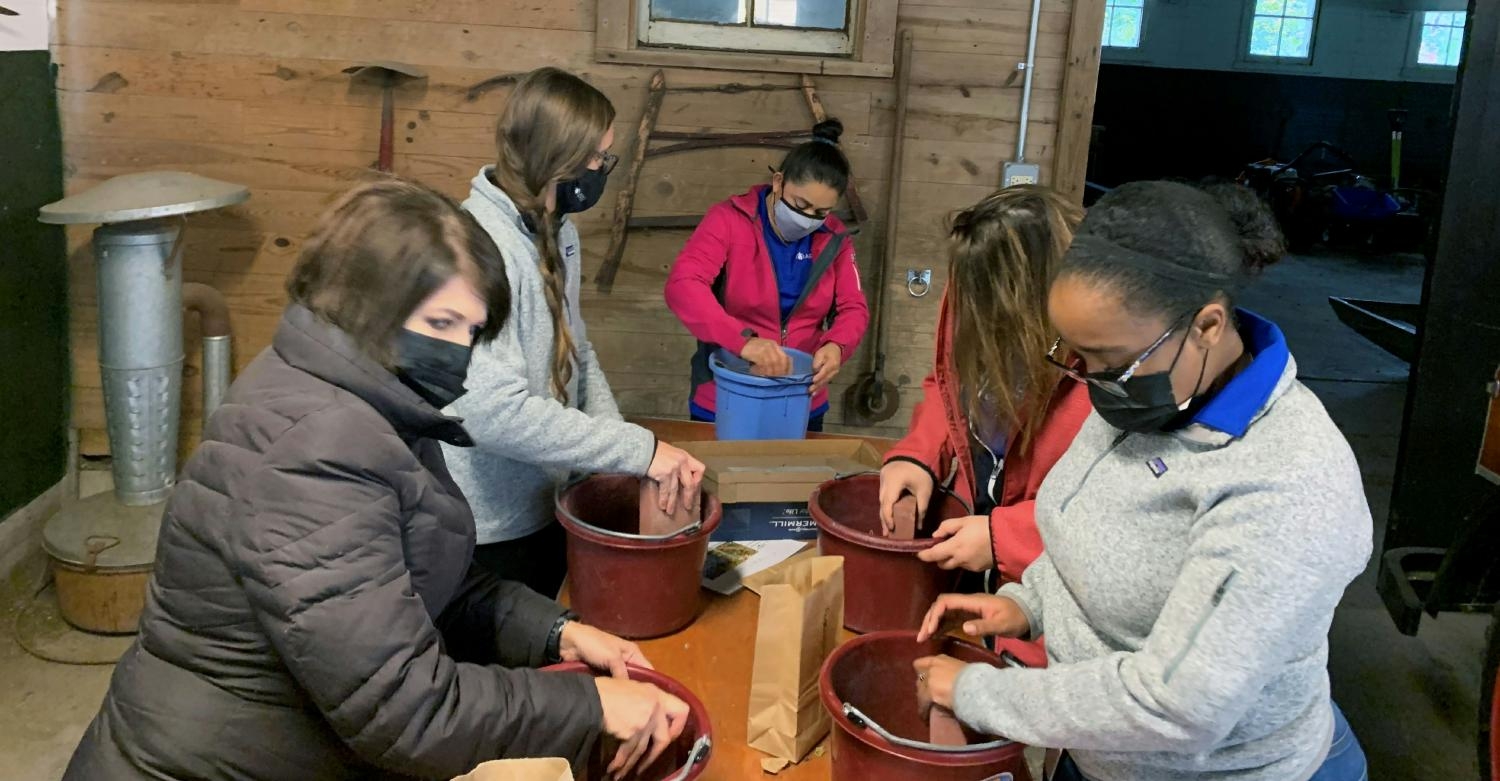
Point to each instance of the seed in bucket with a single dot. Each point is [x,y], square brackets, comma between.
[656,523]
[905,517]
[944,728]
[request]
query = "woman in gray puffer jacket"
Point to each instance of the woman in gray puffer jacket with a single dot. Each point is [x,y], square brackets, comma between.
[314,614]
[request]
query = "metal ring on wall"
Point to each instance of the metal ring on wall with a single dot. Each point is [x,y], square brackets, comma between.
[918,283]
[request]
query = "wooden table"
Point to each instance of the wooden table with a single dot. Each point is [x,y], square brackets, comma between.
[713,657]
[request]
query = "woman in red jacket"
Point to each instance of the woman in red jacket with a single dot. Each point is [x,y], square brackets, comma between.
[993,332]
[773,268]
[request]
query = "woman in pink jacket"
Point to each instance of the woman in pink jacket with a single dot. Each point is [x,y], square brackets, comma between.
[773,268]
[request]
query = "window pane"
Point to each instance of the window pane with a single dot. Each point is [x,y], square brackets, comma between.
[1265,36]
[820,14]
[1455,48]
[1129,3]
[1273,7]
[1127,28]
[1109,26]
[714,11]
[1434,47]
[1300,8]
[1296,38]
[1458,18]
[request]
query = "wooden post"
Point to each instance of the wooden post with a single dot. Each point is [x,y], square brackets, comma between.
[1075,113]
[625,203]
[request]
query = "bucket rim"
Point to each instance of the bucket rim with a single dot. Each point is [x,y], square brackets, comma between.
[722,371]
[834,705]
[702,749]
[711,513]
[850,534]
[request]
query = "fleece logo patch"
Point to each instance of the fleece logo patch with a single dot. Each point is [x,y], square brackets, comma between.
[1158,466]
[571,250]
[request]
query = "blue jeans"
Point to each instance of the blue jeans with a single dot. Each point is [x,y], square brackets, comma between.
[1345,762]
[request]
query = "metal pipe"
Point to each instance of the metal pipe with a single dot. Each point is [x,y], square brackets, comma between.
[213,321]
[140,352]
[1028,66]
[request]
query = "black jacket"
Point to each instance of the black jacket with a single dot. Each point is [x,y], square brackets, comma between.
[314,614]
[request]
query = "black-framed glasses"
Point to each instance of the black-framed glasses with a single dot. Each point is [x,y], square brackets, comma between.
[607,161]
[1116,386]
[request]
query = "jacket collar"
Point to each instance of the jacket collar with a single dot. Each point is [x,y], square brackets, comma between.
[482,187]
[310,344]
[1252,392]
[748,204]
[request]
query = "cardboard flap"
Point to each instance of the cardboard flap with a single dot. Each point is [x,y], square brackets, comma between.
[778,470]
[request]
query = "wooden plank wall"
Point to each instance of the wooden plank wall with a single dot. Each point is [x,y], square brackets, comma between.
[251,91]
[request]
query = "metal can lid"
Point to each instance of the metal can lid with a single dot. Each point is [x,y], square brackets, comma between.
[144,196]
[102,532]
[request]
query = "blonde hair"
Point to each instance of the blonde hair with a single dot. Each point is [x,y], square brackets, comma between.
[1003,252]
[549,131]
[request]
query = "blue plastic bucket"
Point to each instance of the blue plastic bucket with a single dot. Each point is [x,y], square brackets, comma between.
[751,407]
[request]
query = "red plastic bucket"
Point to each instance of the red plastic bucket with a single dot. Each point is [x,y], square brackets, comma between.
[874,675]
[631,586]
[886,585]
[685,760]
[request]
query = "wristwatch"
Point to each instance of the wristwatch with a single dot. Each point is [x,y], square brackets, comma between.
[553,651]
[748,333]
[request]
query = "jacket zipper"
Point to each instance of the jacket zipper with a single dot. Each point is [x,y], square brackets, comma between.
[1090,471]
[1198,625]
[997,466]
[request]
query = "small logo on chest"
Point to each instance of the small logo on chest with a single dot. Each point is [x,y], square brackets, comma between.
[1158,467]
[570,250]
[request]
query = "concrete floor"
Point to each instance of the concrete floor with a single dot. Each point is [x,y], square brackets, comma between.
[1412,701]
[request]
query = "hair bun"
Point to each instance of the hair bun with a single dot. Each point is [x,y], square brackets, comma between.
[1261,241]
[828,130]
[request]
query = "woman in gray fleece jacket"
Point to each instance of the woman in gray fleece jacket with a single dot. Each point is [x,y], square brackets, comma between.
[1198,533]
[541,409]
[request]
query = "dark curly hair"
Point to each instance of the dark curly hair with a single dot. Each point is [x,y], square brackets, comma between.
[1168,248]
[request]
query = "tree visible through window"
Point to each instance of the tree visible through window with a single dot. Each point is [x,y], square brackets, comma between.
[820,26]
[1282,28]
[1122,23]
[1442,38]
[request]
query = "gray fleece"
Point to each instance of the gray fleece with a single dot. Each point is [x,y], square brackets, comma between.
[1186,615]
[527,440]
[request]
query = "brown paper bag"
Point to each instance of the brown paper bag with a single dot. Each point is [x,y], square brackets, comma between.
[521,770]
[656,523]
[799,624]
[905,516]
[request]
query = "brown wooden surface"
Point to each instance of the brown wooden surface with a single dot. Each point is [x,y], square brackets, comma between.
[251,91]
[713,657]
[1079,83]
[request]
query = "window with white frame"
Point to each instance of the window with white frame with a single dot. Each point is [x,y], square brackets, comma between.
[1122,23]
[792,26]
[1283,29]
[1442,38]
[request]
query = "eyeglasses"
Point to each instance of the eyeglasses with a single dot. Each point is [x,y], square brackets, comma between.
[1116,386]
[607,161]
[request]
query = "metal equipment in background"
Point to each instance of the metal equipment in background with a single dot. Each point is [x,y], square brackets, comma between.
[386,74]
[1019,171]
[102,547]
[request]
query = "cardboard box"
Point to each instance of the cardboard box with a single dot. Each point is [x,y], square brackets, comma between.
[765,484]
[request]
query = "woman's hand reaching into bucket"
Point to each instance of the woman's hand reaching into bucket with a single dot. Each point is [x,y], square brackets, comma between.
[965,543]
[898,478]
[826,363]
[766,358]
[936,677]
[600,650]
[644,719]
[679,475]
[979,615]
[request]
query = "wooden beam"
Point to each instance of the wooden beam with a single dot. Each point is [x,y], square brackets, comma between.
[819,114]
[1076,111]
[625,203]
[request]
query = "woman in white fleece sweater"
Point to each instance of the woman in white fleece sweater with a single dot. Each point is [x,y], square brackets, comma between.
[540,408]
[1198,532]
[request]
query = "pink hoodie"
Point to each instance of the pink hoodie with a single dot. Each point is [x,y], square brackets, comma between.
[730,241]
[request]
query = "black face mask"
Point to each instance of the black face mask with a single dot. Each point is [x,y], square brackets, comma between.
[580,194]
[1149,405]
[434,368]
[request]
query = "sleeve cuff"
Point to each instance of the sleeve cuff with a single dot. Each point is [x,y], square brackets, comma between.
[1015,592]
[925,468]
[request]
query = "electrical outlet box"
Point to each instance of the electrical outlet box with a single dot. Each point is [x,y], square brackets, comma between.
[1020,173]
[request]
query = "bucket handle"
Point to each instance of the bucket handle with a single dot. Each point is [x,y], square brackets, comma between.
[859,719]
[781,379]
[686,531]
[697,756]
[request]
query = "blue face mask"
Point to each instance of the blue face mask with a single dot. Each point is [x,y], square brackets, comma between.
[792,225]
